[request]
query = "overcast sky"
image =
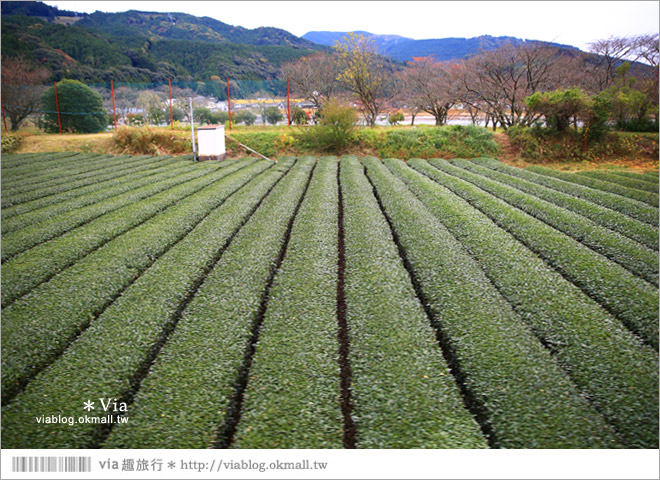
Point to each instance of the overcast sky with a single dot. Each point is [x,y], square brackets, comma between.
[568,22]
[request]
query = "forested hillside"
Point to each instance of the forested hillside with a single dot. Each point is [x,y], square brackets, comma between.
[142,46]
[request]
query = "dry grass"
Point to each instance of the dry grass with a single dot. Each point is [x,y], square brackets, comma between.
[641,163]
[68,142]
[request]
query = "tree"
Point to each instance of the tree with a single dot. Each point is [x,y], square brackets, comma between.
[272,115]
[81,108]
[559,106]
[150,100]
[429,86]
[298,116]
[125,100]
[396,118]
[21,88]
[497,82]
[245,116]
[362,72]
[314,77]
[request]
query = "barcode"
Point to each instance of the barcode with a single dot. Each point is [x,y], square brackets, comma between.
[51,464]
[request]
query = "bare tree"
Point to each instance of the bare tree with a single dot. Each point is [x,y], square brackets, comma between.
[497,82]
[21,88]
[362,71]
[429,87]
[313,77]
[611,52]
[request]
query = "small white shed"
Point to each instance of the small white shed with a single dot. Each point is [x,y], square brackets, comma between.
[211,140]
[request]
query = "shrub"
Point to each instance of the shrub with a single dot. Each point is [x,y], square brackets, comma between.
[152,141]
[558,107]
[299,116]
[631,255]
[11,142]
[390,376]
[81,108]
[396,118]
[301,317]
[336,129]
[427,142]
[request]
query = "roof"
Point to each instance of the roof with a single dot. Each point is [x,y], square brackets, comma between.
[210,127]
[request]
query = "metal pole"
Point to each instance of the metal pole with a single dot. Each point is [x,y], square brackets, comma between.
[228,103]
[169,82]
[288,109]
[57,103]
[192,130]
[114,112]
[4,118]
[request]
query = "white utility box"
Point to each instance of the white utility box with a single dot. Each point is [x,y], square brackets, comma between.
[211,140]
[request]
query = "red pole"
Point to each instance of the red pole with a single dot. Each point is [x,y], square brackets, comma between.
[228,103]
[4,119]
[169,82]
[114,112]
[288,109]
[57,102]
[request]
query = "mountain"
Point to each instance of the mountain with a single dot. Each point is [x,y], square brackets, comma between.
[137,46]
[404,49]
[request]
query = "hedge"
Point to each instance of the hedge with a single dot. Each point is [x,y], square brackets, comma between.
[595,350]
[40,263]
[39,326]
[186,397]
[636,258]
[298,339]
[524,398]
[544,176]
[628,297]
[29,201]
[69,173]
[403,391]
[646,197]
[14,160]
[632,228]
[616,177]
[40,162]
[27,219]
[550,178]
[130,331]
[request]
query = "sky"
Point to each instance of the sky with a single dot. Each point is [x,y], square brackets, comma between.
[569,22]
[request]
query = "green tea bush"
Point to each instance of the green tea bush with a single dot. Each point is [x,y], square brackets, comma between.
[11,142]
